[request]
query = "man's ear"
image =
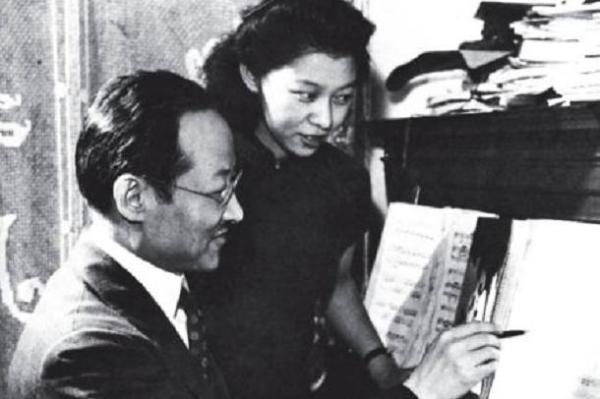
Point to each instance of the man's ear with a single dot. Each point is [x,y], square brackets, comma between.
[248,78]
[132,195]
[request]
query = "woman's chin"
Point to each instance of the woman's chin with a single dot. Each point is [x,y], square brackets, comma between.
[304,151]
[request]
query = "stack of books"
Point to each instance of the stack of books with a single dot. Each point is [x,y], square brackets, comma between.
[559,51]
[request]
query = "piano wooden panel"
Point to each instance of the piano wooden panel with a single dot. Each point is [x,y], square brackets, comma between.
[530,163]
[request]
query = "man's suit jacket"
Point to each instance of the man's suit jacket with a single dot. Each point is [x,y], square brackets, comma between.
[97,333]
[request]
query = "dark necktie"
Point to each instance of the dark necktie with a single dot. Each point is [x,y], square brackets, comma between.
[196,329]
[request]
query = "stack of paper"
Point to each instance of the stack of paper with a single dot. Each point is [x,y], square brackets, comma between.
[560,51]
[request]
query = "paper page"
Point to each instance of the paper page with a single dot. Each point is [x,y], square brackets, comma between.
[410,236]
[416,280]
[508,283]
[556,300]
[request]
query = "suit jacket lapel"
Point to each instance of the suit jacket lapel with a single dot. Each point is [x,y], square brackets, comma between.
[116,287]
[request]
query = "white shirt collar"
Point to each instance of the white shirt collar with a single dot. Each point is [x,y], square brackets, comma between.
[163,286]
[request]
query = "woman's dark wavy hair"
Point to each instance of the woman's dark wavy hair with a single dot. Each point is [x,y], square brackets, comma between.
[273,34]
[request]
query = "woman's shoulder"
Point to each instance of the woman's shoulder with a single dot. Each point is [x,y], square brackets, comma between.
[349,182]
[341,163]
[343,172]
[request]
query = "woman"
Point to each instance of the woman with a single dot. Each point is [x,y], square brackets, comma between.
[286,79]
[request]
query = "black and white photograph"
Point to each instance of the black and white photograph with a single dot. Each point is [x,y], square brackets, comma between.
[299,199]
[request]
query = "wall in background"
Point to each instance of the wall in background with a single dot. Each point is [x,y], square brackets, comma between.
[405,29]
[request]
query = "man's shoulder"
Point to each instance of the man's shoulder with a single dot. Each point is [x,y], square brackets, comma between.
[100,346]
[71,298]
[73,343]
[90,361]
[69,306]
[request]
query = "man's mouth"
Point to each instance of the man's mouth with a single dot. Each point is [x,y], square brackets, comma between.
[221,233]
[220,237]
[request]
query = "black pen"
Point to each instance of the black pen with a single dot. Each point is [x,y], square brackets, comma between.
[508,333]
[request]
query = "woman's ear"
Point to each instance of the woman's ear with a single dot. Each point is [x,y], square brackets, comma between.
[248,78]
[130,194]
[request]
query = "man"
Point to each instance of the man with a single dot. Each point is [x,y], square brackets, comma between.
[156,164]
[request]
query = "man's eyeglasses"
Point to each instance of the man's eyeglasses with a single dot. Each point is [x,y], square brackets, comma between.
[222,197]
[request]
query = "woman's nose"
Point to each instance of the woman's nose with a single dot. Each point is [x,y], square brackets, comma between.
[322,115]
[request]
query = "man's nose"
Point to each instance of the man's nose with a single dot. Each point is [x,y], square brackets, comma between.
[233,211]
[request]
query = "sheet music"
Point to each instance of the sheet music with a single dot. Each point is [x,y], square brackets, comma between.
[417,276]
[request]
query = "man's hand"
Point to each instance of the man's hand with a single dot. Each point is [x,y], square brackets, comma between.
[459,359]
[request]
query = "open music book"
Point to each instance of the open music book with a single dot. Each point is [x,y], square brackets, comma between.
[440,266]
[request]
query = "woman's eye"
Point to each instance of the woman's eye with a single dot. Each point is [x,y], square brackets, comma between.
[343,99]
[305,96]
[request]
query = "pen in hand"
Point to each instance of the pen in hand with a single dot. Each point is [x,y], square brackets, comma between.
[509,333]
